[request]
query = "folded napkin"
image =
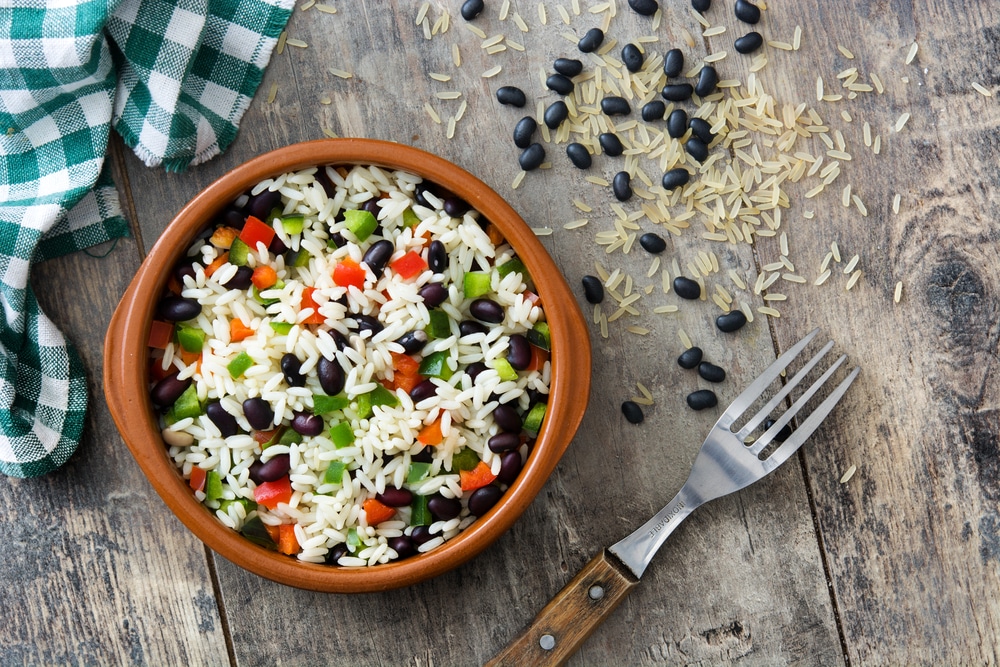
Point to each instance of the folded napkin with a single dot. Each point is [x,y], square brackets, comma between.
[173,77]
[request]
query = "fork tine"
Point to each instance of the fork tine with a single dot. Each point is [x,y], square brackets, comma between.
[806,428]
[763,381]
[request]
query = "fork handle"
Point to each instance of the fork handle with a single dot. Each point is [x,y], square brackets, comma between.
[572,615]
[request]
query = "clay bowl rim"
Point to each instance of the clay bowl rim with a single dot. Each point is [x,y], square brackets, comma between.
[126,370]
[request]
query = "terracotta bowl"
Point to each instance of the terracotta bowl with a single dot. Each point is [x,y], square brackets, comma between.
[126,368]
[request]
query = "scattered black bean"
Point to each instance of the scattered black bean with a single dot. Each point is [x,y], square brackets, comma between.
[166,392]
[567,66]
[367,323]
[611,144]
[749,42]
[433,294]
[701,5]
[487,310]
[507,419]
[511,96]
[331,376]
[532,157]
[377,256]
[178,309]
[403,546]
[472,8]
[673,63]
[696,148]
[510,467]
[632,412]
[413,341]
[707,80]
[579,155]
[291,368]
[258,413]
[423,390]
[731,321]
[593,289]
[305,423]
[632,57]
[241,280]
[615,106]
[518,352]
[701,129]
[504,442]
[652,243]
[653,111]
[687,288]
[677,92]
[262,203]
[783,434]
[555,114]
[456,207]
[644,7]
[702,399]
[225,422]
[711,372]
[474,369]
[747,12]
[275,468]
[444,509]
[470,327]
[591,40]
[394,497]
[560,83]
[621,185]
[523,131]
[677,123]
[690,358]
[675,178]
[483,499]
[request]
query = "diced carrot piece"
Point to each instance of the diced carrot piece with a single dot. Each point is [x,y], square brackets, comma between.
[308,302]
[160,334]
[197,479]
[404,363]
[255,231]
[264,277]
[274,532]
[431,433]
[239,331]
[190,357]
[287,542]
[376,512]
[476,478]
[216,264]
[495,235]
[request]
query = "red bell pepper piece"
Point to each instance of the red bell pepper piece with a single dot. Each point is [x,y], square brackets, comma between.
[476,478]
[287,542]
[239,331]
[308,302]
[255,231]
[264,277]
[269,494]
[348,272]
[409,265]
[160,334]
[197,479]
[376,512]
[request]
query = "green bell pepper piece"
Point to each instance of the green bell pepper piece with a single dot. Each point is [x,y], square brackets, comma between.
[476,284]
[334,473]
[420,513]
[239,365]
[410,219]
[533,420]
[504,369]
[190,338]
[187,404]
[293,224]
[464,459]
[361,223]
[540,336]
[440,324]
[435,365]
[238,252]
[213,486]
[281,328]
[342,435]
[353,540]
[418,472]
[323,404]
[254,530]
[512,265]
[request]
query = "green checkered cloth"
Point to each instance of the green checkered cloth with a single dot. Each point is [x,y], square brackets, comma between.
[173,78]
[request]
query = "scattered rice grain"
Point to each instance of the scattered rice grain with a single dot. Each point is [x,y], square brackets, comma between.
[849,474]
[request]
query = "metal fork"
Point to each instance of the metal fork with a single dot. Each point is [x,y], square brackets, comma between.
[724,464]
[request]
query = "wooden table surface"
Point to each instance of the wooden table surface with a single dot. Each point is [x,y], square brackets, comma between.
[900,564]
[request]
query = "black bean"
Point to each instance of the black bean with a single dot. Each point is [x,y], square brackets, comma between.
[701,5]
[413,341]
[510,467]
[418,194]
[260,205]
[560,83]
[611,144]
[707,79]
[504,442]
[690,358]
[632,57]
[335,553]
[403,546]
[702,399]
[518,352]
[731,321]
[621,185]
[234,218]
[254,471]
[701,129]
[483,499]
[579,155]
[367,323]
[377,256]
[749,42]
[711,372]
[677,92]
[425,455]
[372,206]
[472,8]
[258,413]
[644,7]
[225,422]
[567,66]
[291,368]
[443,508]
[591,40]
[183,270]
[437,257]
[305,423]
[166,392]
[241,280]
[632,412]
[275,468]
[653,111]
[555,114]
[487,310]
[783,434]
[456,207]
[394,497]
[507,419]
[615,106]
[337,239]
[677,123]
[474,369]
[532,157]
[178,309]
[433,294]
[523,131]
[673,63]
[511,96]
[421,534]
[652,243]
[423,391]
[696,148]
[747,12]
[331,376]
[470,327]
[687,288]
[277,246]
[593,289]
[675,178]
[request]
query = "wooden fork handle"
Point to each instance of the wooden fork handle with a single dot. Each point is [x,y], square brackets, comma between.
[571,616]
